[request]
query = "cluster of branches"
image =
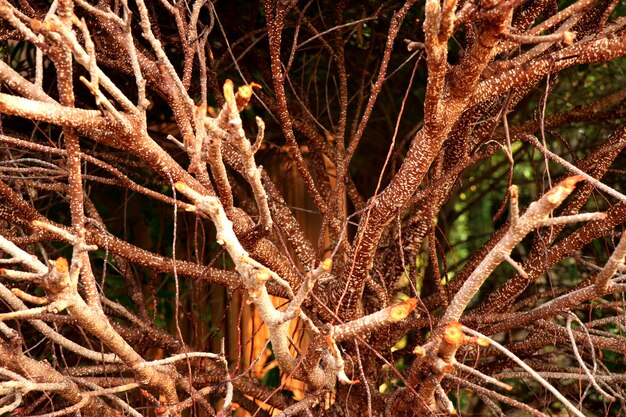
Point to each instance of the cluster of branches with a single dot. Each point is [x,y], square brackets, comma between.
[109,98]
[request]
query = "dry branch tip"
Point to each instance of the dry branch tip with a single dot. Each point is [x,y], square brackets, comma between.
[229,90]
[327,265]
[402,310]
[61,265]
[180,187]
[563,189]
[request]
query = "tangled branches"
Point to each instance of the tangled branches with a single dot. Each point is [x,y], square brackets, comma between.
[143,240]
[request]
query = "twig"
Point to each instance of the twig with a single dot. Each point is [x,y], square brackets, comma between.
[492,394]
[534,217]
[482,376]
[304,404]
[16,403]
[228,399]
[574,218]
[97,390]
[443,397]
[582,364]
[22,257]
[567,37]
[48,332]
[603,279]
[528,369]
[179,357]
[514,204]
[515,265]
[368,324]
[611,191]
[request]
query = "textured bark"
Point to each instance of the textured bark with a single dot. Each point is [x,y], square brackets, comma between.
[285,208]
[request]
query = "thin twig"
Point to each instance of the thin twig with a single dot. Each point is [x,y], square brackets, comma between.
[528,369]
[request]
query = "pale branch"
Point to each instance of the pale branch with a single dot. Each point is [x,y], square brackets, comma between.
[216,163]
[229,120]
[102,100]
[492,394]
[97,390]
[179,357]
[7,12]
[530,370]
[445,402]
[368,324]
[80,259]
[603,278]
[16,403]
[253,275]
[19,275]
[61,285]
[574,218]
[142,101]
[52,113]
[576,376]
[65,234]
[53,307]
[42,372]
[103,330]
[33,299]
[482,376]
[53,26]
[228,399]
[566,37]
[310,279]
[580,360]
[573,169]
[518,267]
[534,217]
[20,85]
[514,205]
[164,60]
[17,305]
[25,386]
[20,256]
[260,135]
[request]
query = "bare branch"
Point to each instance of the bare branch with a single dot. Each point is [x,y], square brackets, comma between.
[528,369]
